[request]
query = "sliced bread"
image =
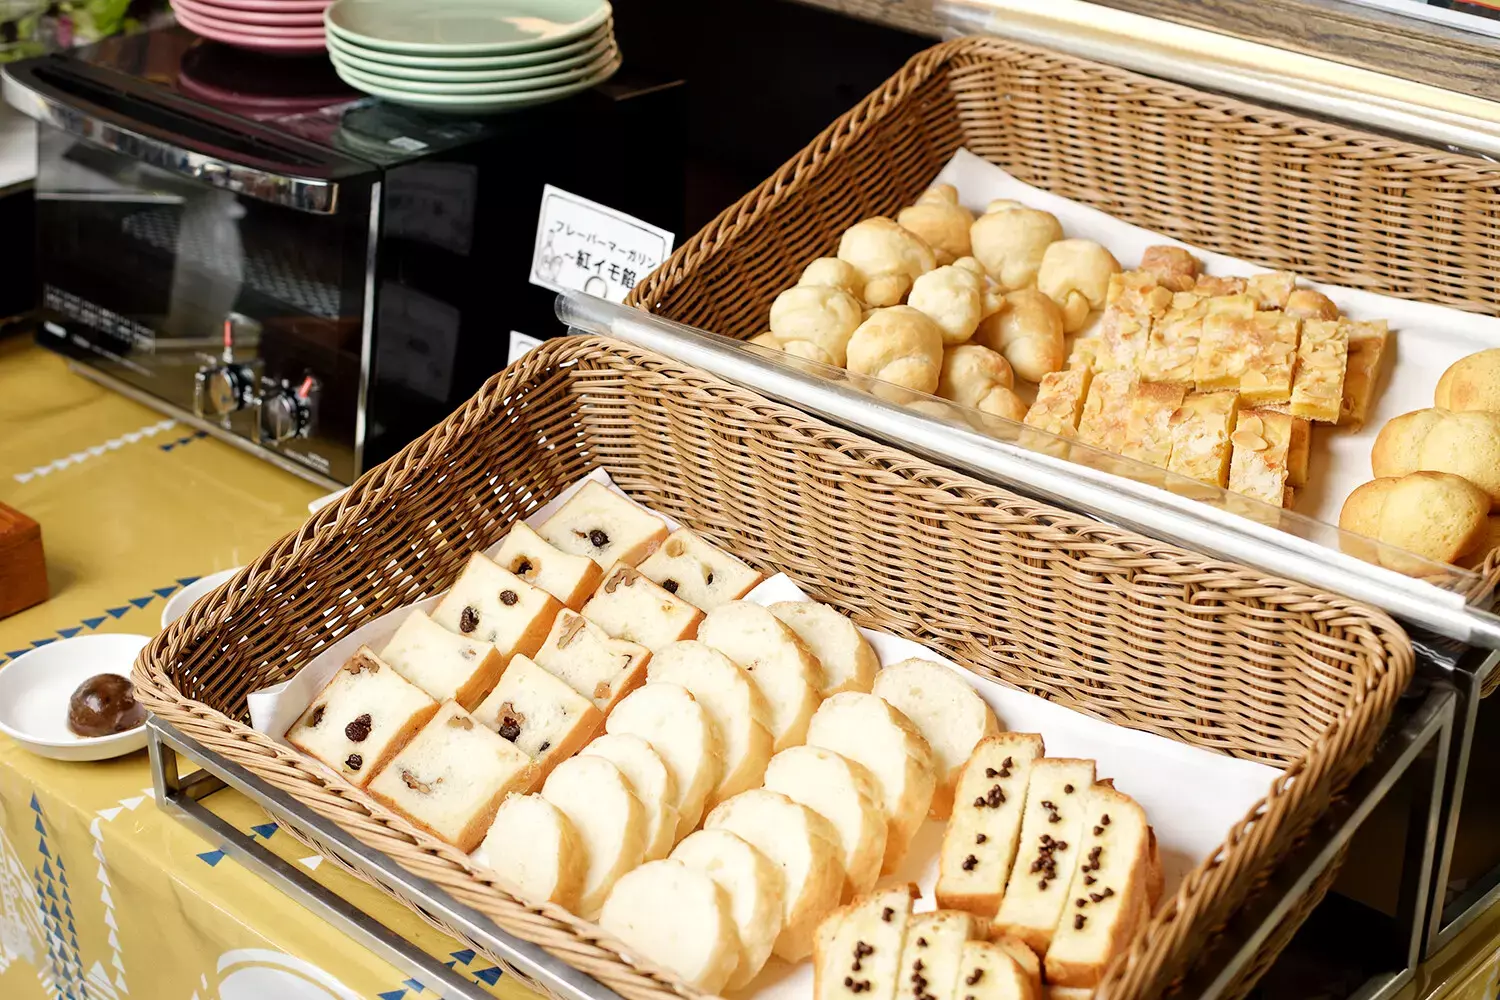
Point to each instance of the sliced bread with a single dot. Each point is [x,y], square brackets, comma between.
[668,717]
[568,577]
[949,714]
[540,714]
[604,525]
[596,665]
[629,606]
[785,670]
[610,821]
[678,918]
[698,571]
[933,952]
[652,783]
[988,971]
[857,950]
[848,660]
[1051,844]
[979,843]
[754,884]
[444,664]
[533,846]
[489,604]
[844,793]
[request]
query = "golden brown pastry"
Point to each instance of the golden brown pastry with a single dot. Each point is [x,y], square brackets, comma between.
[1489,543]
[898,344]
[1471,383]
[939,219]
[1367,342]
[887,257]
[1433,514]
[1465,443]
[815,322]
[1028,331]
[954,297]
[1172,267]
[1075,274]
[978,377]
[1010,239]
[1304,303]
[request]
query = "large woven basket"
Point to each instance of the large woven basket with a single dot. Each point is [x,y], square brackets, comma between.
[1106,622]
[1330,203]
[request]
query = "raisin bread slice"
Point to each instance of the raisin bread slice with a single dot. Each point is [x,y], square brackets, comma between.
[442,663]
[848,660]
[533,846]
[678,918]
[629,606]
[933,953]
[979,843]
[988,971]
[451,778]
[698,571]
[857,950]
[845,794]
[1048,852]
[597,666]
[787,673]
[540,714]
[669,718]
[610,821]
[950,715]
[605,526]
[733,703]
[568,577]
[868,731]
[650,780]
[803,845]
[489,604]
[363,716]
[754,885]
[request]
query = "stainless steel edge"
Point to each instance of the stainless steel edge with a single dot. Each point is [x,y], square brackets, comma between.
[556,975]
[367,329]
[305,194]
[1142,507]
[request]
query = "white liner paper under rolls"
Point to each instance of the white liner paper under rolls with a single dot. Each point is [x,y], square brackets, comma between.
[1192,796]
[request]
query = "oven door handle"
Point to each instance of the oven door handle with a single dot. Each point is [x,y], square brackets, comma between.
[77,117]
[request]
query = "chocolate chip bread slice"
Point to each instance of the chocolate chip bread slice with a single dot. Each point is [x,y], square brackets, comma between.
[857,951]
[979,843]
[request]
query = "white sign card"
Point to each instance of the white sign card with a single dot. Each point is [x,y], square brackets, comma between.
[520,343]
[583,246]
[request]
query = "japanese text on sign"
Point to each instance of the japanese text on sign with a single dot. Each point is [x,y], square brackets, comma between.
[584,246]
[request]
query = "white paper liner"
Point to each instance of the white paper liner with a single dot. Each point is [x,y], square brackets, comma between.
[1192,796]
[1425,339]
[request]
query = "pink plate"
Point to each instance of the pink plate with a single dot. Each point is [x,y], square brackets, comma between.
[252,18]
[273,6]
[280,42]
[193,18]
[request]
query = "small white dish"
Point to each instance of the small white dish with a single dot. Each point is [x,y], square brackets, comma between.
[35,688]
[178,603]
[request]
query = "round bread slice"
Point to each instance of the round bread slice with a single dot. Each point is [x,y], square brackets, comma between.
[949,714]
[868,731]
[610,821]
[848,660]
[733,703]
[754,885]
[845,794]
[786,672]
[650,780]
[803,845]
[678,918]
[532,845]
[668,717]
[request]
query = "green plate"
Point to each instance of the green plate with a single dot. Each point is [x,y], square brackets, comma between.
[371,61]
[476,103]
[399,80]
[464,27]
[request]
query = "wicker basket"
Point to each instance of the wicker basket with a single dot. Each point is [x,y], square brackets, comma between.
[1121,627]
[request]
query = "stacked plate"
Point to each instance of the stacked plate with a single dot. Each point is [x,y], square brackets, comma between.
[288,26]
[472,56]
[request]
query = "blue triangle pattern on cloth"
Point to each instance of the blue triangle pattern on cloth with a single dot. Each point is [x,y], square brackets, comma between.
[65,897]
[12,654]
[391,995]
[166,447]
[51,891]
[141,602]
[93,622]
[56,914]
[163,591]
[116,612]
[39,827]
[183,581]
[490,976]
[43,848]
[47,868]
[59,864]
[62,876]
[412,984]
[465,955]
[211,858]
[68,633]
[265,830]
[35,805]
[449,964]
[40,642]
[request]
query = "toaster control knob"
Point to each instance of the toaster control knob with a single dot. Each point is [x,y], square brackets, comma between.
[221,389]
[287,412]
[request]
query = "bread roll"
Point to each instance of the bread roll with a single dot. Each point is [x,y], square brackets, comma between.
[949,714]
[1075,274]
[978,377]
[1464,443]
[834,273]
[678,918]
[954,298]
[1172,267]
[887,257]
[1487,544]
[901,345]
[1433,514]
[755,888]
[939,219]
[815,322]
[1028,332]
[1471,383]
[1009,240]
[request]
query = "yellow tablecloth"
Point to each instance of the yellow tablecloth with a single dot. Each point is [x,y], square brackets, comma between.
[101,895]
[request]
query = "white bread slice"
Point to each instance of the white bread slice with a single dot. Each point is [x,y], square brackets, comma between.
[605,526]
[1031,966]
[733,703]
[868,731]
[451,778]
[569,578]
[610,821]
[444,664]
[1109,890]
[986,823]
[668,717]
[698,571]
[933,952]
[540,714]
[1048,852]
[596,665]
[785,670]
[805,847]
[848,660]
[489,604]
[365,714]
[533,846]
[754,884]
[949,713]
[629,606]
[650,780]
[678,918]
[844,793]
[987,971]
[857,951]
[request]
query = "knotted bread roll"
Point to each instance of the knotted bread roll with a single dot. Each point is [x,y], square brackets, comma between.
[1433,514]
[898,344]
[1471,383]
[956,297]
[834,273]
[939,219]
[1010,239]
[1075,274]
[887,257]
[1028,332]
[814,322]
[978,377]
[1464,443]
